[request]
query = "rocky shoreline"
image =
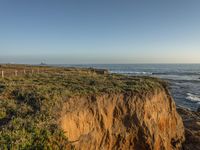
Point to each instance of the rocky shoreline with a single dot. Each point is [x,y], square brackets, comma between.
[191,121]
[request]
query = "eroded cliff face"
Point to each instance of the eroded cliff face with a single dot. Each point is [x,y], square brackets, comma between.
[123,121]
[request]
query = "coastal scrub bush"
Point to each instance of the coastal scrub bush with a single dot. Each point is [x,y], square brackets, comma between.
[2,87]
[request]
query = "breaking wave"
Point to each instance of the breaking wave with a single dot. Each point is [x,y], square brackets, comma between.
[132,72]
[193,98]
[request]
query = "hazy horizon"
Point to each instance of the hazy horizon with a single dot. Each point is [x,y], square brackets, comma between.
[99,32]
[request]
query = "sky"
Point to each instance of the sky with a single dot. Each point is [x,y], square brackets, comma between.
[99,31]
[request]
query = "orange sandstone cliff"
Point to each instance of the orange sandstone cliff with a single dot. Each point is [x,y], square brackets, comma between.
[123,121]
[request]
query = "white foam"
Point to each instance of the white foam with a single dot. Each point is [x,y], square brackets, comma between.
[193,97]
[132,72]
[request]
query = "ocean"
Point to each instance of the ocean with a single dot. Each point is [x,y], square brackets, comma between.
[183,79]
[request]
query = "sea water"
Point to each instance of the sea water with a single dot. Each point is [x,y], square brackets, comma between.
[184,79]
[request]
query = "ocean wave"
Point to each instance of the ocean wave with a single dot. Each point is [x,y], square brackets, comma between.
[193,98]
[132,72]
[176,73]
[156,73]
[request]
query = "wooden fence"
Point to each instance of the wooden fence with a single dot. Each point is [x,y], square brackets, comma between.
[20,72]
[16,70]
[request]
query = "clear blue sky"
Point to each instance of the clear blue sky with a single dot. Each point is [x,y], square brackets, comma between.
[100,31]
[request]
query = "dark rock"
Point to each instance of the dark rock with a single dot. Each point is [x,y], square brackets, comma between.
[198,110]
[191,120]
[99,71]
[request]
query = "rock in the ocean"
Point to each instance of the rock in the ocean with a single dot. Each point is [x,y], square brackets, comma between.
[198,110]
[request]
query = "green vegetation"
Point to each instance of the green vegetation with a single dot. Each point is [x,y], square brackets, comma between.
[30,104]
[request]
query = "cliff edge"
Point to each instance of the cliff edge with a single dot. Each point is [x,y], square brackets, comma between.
[61,108]
[123,121]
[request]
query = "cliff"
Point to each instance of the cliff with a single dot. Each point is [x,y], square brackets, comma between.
[123,121]
[62,108]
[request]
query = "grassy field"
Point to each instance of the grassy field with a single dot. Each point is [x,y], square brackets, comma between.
[30,102]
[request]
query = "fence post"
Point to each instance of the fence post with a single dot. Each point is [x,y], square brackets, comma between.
[2,74]
[38,71]
[24,71]
[15,72]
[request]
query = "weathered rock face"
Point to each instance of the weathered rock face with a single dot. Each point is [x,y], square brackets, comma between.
[191,122]
[123,121]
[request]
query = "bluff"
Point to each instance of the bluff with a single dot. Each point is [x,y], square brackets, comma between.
[123,121]
[45,107]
